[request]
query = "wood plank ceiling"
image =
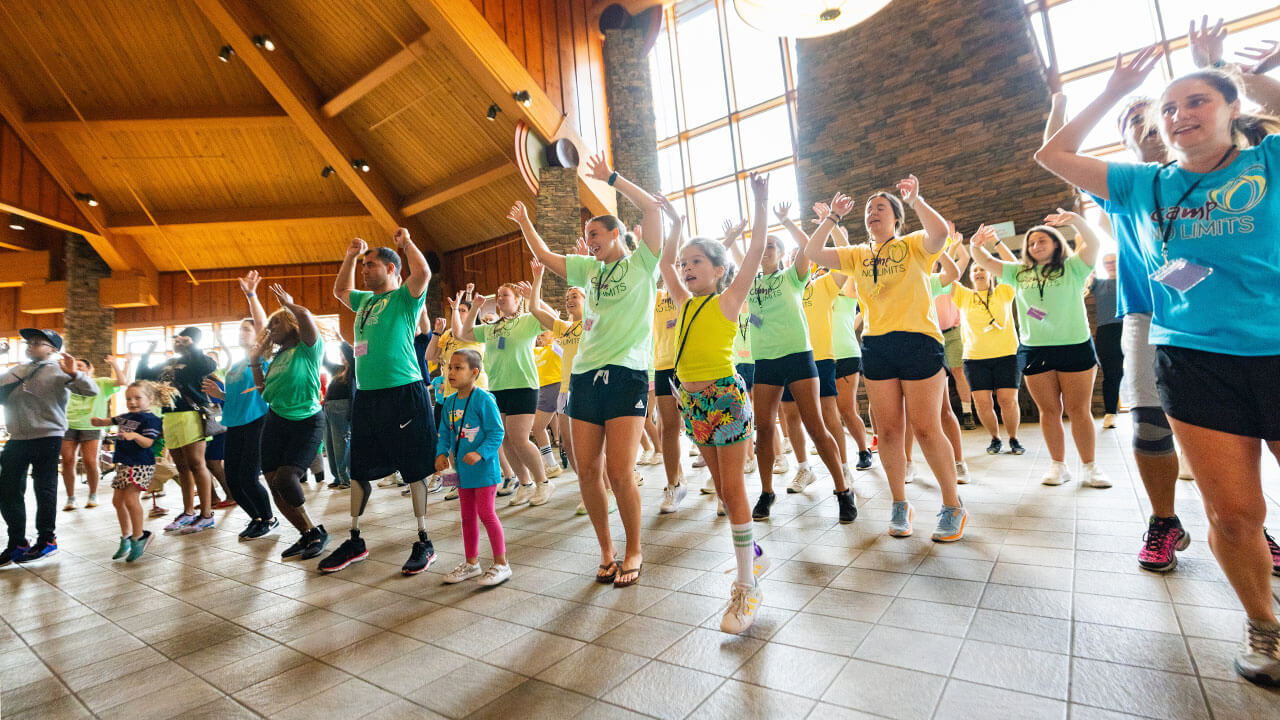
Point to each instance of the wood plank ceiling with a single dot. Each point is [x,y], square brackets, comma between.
[208,148]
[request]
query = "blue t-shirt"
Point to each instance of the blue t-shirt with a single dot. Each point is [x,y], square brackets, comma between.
[474,425]
[1229,223]
[1133,291]
[129,452]
[244,403]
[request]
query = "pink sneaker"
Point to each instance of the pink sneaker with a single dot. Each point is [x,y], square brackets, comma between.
[1164,537]
[1275,553]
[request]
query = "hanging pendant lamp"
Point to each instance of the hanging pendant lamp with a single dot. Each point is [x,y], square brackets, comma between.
[805,18]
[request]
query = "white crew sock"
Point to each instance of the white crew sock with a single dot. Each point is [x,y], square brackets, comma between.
[744,551]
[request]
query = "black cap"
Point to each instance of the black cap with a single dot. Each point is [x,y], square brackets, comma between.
[36,334]
[193,333]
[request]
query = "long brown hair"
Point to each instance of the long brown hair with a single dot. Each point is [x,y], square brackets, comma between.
[1056,265]
[1247,129]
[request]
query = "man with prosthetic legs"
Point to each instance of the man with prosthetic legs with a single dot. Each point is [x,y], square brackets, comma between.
[392,428]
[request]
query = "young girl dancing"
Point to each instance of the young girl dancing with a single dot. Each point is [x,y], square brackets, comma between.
[135,465]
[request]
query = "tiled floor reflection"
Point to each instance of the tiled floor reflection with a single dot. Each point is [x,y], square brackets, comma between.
[1041,612]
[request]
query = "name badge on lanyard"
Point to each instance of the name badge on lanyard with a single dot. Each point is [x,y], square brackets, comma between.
[1036,313]
[361,349]
[1181,274]
[589,321]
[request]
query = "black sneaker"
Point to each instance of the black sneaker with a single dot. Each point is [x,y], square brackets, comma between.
[507,487]
[848,510]
[996,446]
[250,529]
[966,419]
[1015,447]
[335,484]
[265,528]
[564,459]
[864,460]
[13,553]
[296,549]
[761,511]
[316,543]
[420,557]
[42,549]
[350,551]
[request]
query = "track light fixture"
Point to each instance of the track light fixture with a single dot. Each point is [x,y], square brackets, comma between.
[360,165]
[263,42]
[16,222]
[493,111]
[87,199]
[225,53]
[327,171]
[524,98]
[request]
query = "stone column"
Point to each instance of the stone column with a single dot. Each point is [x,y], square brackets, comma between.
[633,135]
[558,219]
[88,327]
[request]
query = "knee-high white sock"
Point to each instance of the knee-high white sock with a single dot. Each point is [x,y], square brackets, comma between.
[744,550]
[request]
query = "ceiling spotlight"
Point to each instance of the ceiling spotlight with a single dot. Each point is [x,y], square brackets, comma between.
[524,98]
[327,171]
[360,165]
[263,42]
[16,222]
[493,111]
[225,53]
[87,199]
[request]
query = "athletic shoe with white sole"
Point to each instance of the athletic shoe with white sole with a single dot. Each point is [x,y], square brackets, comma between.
[464,571]
[672,496]
[523,495]
[421,556]
[495,575]
[200,525]
[1094,477]
[750,466]
[900,520]
[543,493]
[1259,660]
[352,550]
[709,487]
[951,522]
[781,466]
[1057,474]
[962,474]
[803,479]
[740,613]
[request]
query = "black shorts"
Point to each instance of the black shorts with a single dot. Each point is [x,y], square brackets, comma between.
[392,429]
[290,442]
[612,391]
[216,448]
[848,366]
[1061,358]
[993,373]
[826,381]
[662,382]
[516,401]
[1229,393]
[548,398]
[901,356]
[747,371]
[787,369]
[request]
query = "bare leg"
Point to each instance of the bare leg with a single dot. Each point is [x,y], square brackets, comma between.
[891,427]
[847,404]
[1048,396]
[985,409]
[806,394]
[767,399]
[669,429]
[89,451]
[923,398]
[1077,398]
[793,428]
[622,437]
[1009,410]
[69,467]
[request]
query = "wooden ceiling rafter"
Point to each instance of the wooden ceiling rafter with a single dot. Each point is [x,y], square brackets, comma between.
[231,219]
[370,81]
[160,119]
[463,183]
[238,22]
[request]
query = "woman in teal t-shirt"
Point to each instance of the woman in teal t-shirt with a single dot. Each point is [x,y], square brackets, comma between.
[81,434]
[1057,349]
[609,389]
[295,422]
[513,381]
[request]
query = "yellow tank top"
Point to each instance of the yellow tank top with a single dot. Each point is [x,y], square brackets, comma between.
[708,340]
[664,332]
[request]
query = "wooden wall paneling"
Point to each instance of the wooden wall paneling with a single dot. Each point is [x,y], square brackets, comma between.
[496,14]
[10,165]
[551,54]
[568,78]
[582,76]
[531,22]
[30,181]
[514,21]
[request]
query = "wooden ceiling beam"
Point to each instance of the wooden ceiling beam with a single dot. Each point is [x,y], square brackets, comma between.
[375,77]
[460,28]
[237,21]
[232,219]
[118,252]
[473,179]
[158,119]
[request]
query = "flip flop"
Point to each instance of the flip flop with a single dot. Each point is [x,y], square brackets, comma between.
[614,567]
[628,583]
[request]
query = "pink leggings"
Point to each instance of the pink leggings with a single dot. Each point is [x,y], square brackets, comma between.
[477,506]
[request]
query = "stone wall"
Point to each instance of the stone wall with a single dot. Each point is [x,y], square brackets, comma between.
[558,219]
[88,327]
[633,133]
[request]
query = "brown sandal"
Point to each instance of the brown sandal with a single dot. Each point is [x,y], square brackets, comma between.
[613,567]
[628,583]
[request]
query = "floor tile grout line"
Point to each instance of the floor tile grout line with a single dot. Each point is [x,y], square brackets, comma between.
[47,666]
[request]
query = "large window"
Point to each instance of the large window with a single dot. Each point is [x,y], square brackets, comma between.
[1083,37]
[224,338]
[724,101]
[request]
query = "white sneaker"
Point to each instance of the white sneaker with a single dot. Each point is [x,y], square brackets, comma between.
[452,494]
[1108,421]
[1058,474]
[761,563]
[71,503]
[693,451]
[911,472]
[781,466]
[496,575]
[388,481]
[645,457]
[637,478]
[750,466]
[672,497]
[523,495]
[1095,478]
[552,471]
[699,462]
[92,502]
[656,459]
[803,479]
[962,474]
[741,611]
[582,509]
[786,446]
[464,571]
[709,487]
[720,511]
[543,493]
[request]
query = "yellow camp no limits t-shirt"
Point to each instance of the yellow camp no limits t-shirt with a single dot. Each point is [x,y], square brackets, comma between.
[893,285]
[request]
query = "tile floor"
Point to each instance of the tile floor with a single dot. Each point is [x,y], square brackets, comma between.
[1040,612]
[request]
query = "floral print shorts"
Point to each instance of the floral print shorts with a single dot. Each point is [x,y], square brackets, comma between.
[719,414]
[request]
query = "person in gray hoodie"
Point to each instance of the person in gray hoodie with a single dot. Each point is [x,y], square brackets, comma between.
[35,398]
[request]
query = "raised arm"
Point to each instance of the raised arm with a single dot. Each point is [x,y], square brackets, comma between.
[815,246]
[346,280]
[249,286]
[960,254]
[802,264]
[553,261]
[467,330]
[308,331]
[982,237]
[1060,154]
[433,346]
[732,233]
[256,353]
[950,271]
[935,226]
[1057,116]
[539,309]
[419,270]
[118,374]
[670,247]
[735,295]
[651,219]
[1004,253]
[822,210]
[1088,242]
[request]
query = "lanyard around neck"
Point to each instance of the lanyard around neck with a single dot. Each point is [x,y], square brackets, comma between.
[1166,228]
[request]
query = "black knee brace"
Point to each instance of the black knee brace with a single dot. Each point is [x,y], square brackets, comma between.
[286,483]
[1151,433]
